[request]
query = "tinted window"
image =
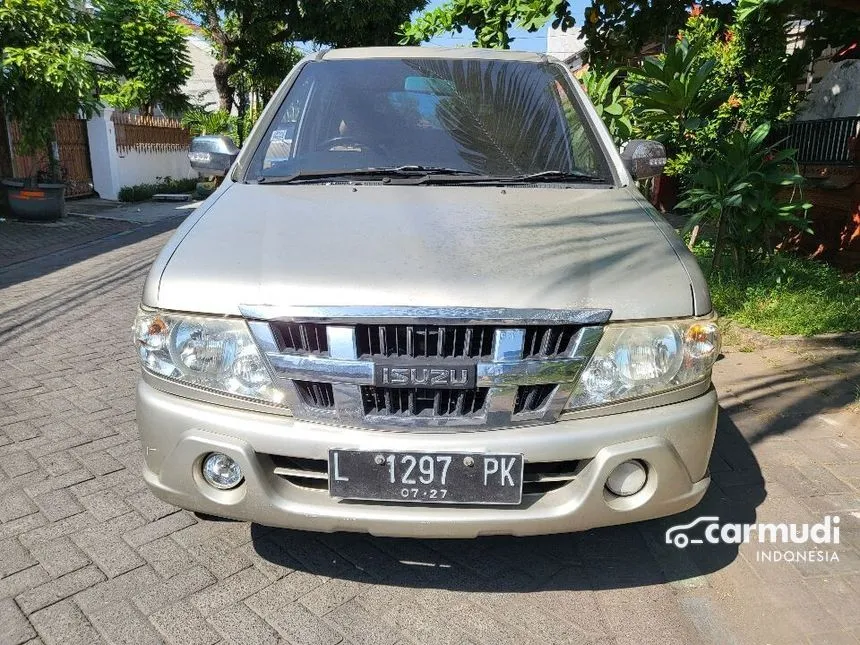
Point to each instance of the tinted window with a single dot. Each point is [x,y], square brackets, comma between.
[499,118]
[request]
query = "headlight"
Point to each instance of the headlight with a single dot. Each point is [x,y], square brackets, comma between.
[638,360]
[212,353]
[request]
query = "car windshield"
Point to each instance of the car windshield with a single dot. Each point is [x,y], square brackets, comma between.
[457,117]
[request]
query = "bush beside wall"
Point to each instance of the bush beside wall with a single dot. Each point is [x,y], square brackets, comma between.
[168,185]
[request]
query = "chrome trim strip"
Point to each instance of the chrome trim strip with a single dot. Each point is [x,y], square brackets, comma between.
[558,370]
[304,474]
[334,370]
[316,368]
[262,333]
[420,315]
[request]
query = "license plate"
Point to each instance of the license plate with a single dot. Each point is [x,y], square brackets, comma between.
[426,478]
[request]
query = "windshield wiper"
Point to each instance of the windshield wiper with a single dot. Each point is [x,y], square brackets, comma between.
[407,171]
[413,169]
[559,175]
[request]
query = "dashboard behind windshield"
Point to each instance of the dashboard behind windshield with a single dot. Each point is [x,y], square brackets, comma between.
[489,117]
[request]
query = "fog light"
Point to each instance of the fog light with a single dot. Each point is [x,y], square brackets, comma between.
[221,471]
[627,478]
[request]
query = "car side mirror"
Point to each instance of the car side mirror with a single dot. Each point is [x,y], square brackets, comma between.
[644,158]
[212,154]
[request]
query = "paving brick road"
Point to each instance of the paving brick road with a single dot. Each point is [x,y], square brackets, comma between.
[87,555]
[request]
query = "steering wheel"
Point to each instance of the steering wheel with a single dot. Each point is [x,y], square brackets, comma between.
[328,144]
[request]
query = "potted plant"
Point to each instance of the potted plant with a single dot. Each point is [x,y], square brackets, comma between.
[45,74]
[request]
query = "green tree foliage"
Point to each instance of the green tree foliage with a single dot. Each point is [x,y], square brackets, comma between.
[145,42]
[489,19]
[615,30]
[253,35]
[44,71]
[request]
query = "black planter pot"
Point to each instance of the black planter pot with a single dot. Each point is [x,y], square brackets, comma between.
[40,202]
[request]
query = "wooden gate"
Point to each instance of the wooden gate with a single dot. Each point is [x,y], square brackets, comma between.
[74,152]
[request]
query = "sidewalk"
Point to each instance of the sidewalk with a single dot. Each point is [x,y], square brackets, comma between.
[88,220]
[137,213]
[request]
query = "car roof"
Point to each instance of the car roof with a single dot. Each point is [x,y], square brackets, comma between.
[462,53]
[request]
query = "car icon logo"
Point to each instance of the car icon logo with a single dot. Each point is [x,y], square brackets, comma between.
[676,534]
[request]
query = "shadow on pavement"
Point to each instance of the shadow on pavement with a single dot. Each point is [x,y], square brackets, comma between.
[55,255]
[632,555]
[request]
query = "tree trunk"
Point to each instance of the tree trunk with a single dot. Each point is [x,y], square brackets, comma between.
[719,244]
[53,161]
[222,72]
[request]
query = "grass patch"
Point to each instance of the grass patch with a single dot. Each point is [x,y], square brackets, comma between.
[786,295]
[166,185]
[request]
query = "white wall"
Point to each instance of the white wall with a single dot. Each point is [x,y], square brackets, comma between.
[113,170]
[201,84]
[565,45]
[836,95]
[143,167]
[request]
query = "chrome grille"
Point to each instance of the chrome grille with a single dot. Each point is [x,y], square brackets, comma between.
[427,402]
[326,362]
[424,341]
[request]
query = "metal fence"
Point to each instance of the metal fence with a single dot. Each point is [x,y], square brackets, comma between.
[828,141]
[149,133]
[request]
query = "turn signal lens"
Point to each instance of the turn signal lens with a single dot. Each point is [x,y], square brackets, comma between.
[702,340]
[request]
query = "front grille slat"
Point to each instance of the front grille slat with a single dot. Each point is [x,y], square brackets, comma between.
[547,341]
[531,398]
[316,395]
[423,401]
[455,341]
[301,338]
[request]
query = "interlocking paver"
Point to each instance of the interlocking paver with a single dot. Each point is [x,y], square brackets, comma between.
[60,556]
[241,626]
[54,590]
[14,626]
[88,555]
[162,594]
[58,504]
[301,627]
[230,590]
[122,623]
[183,625]
[63,623]
[14,557]
[166,556]
[113,556]
[23,580]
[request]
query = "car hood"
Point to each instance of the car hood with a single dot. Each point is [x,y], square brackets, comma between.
[435,246]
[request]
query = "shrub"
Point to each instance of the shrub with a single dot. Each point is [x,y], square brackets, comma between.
[168,185]
[736,191]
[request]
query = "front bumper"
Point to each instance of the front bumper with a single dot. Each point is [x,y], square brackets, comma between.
[674,441]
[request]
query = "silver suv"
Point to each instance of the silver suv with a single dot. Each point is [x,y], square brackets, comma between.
[427,300]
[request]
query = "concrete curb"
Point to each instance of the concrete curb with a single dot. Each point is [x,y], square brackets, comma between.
[761,340]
